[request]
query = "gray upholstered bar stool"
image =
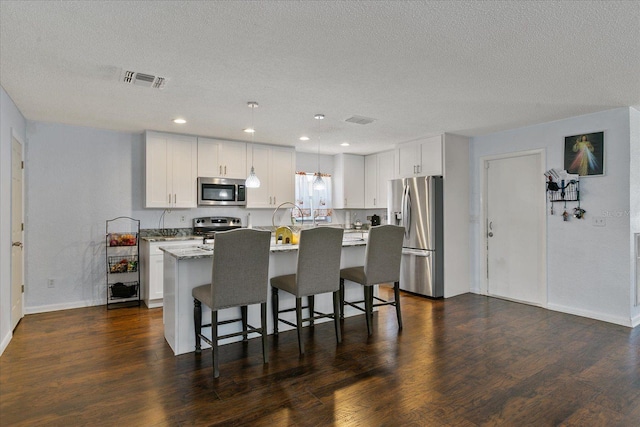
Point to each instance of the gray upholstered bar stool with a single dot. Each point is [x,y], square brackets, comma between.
[381,265]
[239,278]
[317,272]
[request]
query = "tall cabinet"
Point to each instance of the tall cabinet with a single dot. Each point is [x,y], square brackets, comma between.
[275,166]
[446,155]
[171,170]
[122,255]
[379,169]
[348,181]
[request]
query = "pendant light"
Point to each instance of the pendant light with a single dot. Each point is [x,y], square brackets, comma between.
[252,180]
[318,183]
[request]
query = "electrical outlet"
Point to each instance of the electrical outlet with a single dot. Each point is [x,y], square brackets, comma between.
[50,283]
[183,218]
[599,221]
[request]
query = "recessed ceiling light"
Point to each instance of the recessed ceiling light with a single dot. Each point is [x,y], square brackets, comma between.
[345,144]
[249,130]
[319,116]
[179,121]
[304,138]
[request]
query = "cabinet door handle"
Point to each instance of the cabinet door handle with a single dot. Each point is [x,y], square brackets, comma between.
[220,170]
[270,200]
[274,200]
[225,170]
[345,201]
[169,198]
[174,198]
[374,201]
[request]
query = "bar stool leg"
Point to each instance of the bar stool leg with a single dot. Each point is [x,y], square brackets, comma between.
[341,298]
[336,315]
[243,313]
[263,326]
[214,343]
[396,292]
[368,306]
[299,324]
[311,304]
[197,323]
[274,309]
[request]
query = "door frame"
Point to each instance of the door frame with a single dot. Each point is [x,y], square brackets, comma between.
[15,137]
[484,282]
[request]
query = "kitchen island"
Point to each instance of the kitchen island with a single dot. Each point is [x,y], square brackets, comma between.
[187,267]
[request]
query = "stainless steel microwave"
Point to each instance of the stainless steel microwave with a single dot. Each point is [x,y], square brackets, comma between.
[221,192]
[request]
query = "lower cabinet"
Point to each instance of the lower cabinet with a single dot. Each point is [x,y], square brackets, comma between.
[151,265]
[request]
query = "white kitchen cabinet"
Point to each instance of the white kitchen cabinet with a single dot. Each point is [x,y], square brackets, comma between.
[225,159]
[151,267]
[421,158]
[378,170]
[171,170]
[348,181]
[275,167]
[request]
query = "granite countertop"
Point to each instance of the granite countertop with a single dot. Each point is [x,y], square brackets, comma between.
[205,251]
[186,234]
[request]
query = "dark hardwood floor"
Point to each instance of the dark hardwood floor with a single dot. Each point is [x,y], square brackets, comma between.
[466,361]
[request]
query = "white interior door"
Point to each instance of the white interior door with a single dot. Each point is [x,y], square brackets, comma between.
[515,231]
[17,259]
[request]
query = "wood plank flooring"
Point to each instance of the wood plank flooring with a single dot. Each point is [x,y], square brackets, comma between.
[466,361]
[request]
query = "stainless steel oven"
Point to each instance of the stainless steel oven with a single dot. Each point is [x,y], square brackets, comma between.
[221,192]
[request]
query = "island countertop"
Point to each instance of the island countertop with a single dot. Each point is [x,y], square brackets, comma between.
[204,251]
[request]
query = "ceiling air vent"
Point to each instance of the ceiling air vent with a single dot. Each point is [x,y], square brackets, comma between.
[360,120]
[141,79]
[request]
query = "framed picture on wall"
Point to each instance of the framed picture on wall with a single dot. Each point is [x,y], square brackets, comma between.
[584,154]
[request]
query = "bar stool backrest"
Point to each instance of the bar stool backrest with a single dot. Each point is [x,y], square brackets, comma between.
[319,254]
[240,274]
[383,254]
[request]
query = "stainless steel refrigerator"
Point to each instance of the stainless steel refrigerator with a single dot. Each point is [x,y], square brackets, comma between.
[416,204]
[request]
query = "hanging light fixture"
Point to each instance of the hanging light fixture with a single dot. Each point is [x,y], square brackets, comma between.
[318,182]
[252,180]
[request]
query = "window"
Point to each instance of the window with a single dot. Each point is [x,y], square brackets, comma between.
[312,202]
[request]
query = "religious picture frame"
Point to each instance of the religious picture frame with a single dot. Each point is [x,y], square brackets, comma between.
[584,154]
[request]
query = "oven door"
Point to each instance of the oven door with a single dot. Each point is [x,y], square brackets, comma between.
[221,192]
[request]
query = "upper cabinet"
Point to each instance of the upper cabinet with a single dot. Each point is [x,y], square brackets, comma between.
[275,167]
[223,159]
[421,158]
[171,170]
[379,169]
[348,181]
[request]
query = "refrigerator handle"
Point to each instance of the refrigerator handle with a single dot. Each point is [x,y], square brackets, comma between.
[406,214]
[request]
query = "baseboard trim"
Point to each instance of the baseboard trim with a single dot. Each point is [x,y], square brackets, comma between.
[5,342]
[154,303]
[63,306]
[592,315]
[635,321]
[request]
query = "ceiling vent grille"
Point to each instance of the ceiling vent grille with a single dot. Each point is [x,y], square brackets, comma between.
[360,120]
[145,80]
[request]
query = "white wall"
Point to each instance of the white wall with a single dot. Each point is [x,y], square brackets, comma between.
[634,217]
[587,266]
[78,178]
[11,120]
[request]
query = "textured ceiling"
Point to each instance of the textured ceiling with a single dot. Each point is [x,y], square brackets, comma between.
[417,68]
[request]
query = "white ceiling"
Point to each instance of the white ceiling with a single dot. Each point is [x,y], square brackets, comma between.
[418,68]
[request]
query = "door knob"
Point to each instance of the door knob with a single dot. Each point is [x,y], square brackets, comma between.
[490,234]
[19,244]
